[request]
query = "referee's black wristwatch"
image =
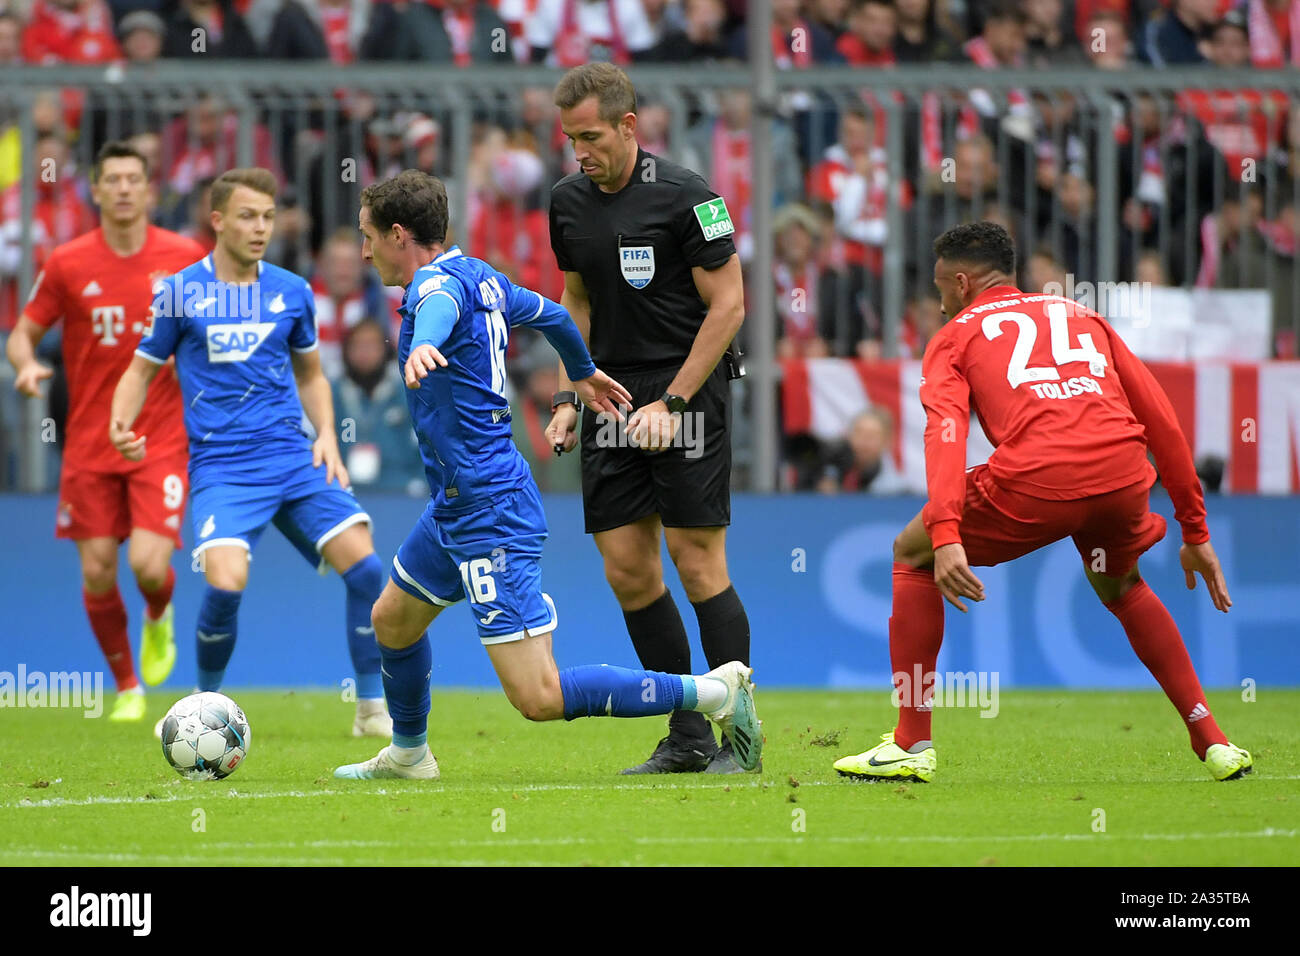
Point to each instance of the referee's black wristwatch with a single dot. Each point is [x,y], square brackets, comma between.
[563,398]
[676,404]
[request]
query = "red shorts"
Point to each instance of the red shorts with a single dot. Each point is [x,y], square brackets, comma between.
[1111,531]
[97,504]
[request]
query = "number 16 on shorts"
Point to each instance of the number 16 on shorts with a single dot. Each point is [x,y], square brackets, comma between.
[477,577]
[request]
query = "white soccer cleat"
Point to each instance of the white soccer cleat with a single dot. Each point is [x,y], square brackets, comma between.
[737,717]
[372,720]
[383,767]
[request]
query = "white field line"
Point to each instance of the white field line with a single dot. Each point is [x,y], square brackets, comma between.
[418,789]
[747,785]
[233,852]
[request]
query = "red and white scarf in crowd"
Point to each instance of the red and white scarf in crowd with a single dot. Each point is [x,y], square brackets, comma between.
[980,101]
[573,48]
[797,324]
[460,30]
[1265,45]
[335,24]
[731,175]
[931,131]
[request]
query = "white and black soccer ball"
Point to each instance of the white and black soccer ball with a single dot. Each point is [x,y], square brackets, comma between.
[205,736]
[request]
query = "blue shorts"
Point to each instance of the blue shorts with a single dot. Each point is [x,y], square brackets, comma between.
[306,510]
[492,555]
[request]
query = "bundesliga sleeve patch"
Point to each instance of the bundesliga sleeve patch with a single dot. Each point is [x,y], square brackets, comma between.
[714,219]
[431,284]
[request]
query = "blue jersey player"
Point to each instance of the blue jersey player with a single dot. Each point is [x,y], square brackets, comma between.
[244,336]
[480,537]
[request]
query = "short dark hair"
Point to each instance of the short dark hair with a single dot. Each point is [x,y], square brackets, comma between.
[412,199]
[611,87]
[254,177]
[981,243]
[116,149]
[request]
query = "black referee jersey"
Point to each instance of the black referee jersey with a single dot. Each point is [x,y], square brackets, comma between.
[635,250]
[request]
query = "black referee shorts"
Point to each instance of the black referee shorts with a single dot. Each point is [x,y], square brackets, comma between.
[688,485]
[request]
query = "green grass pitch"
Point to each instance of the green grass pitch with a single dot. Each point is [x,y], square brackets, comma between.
[1024,788]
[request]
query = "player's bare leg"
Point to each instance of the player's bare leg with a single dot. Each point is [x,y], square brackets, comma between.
[351,553]
[529,677]
[700,556]
[107,615]
[149,555]
[915,635]
[1155,639]
[401,623]
[634,570]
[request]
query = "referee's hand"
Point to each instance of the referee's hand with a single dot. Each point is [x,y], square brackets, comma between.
[422,360]
[652,427]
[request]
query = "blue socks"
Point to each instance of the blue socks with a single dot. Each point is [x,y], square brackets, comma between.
[215,635]
[406,674]
[364,580]
[599,690]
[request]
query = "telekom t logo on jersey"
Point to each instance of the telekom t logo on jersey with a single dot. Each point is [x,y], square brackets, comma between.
[108,322]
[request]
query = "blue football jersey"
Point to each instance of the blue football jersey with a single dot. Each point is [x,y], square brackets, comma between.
[460,413]
[233,360]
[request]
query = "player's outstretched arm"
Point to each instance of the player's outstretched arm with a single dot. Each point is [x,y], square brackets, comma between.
[1201,559]
[21,352]
[128,399]
[314,392]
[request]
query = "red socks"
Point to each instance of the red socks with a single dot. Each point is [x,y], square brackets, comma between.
[107,616]
[158,600]
[915,634]
[1159,646]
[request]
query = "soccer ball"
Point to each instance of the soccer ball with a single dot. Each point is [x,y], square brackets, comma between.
[205,736]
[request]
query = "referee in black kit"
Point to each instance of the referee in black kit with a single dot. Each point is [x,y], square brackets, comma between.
[652,279]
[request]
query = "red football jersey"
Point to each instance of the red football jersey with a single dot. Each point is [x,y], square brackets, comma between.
[1069,410]
[104,300]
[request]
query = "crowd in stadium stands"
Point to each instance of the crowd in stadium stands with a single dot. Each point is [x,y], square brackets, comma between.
[832,179]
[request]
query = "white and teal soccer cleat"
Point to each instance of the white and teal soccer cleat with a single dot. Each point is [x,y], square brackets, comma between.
[383,767]
[1228,761]
[888,761]
[372,719]
[737,717]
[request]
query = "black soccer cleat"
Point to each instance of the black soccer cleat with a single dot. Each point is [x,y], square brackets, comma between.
[677,754]
[724,761]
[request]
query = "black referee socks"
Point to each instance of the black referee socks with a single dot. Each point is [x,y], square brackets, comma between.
[724,628]
[659,637]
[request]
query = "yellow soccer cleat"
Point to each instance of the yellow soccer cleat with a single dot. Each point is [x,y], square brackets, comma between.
[888,761]
[1228,761]
[128,707]
[158,648]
